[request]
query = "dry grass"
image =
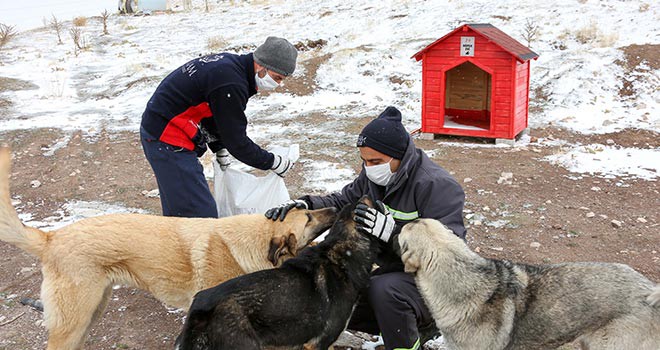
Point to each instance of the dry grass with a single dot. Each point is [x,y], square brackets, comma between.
[587,33]
[216,43]
[79,21]
[7,32]
[591,34]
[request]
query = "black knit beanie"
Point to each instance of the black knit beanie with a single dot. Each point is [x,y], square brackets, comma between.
[385,134]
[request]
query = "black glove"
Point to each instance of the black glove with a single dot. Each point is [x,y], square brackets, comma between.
[281,210]
[200,143]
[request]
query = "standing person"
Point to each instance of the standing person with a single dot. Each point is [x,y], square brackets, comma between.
[203,102]
[406,185]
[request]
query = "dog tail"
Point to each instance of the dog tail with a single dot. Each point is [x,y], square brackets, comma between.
[654,298]
[12,229]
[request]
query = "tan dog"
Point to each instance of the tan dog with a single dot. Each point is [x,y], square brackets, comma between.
[488,304]
[173,258]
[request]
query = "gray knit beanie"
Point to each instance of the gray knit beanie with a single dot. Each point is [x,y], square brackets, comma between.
[278,55]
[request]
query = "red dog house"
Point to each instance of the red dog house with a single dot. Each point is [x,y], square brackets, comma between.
[475,82]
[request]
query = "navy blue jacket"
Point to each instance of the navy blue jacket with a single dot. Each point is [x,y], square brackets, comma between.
[203,102]
[420,189]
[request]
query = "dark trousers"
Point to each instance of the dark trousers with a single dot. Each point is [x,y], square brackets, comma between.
[183,188]
[393,307]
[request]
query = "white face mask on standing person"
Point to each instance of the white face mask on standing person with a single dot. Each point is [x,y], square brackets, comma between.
[380,174]
[266,83]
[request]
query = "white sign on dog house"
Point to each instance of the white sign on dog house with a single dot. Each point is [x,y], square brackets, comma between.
[467,46]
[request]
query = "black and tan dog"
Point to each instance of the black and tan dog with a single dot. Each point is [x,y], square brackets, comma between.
[304,304]
[173,258]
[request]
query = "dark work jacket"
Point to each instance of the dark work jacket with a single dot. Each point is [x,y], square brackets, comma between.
[420,189]
[203,102]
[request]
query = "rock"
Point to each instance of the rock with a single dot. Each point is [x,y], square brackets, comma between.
[583,208]
[616,223]
[35,183]
[151,194]
[642,220]
[535,245]
[350,340]
[505,178]
[609,141]
[477,250]
[595,188]
[467,179]
[39,323]
[590,214]
[602,216]
[2,318]
[498,249]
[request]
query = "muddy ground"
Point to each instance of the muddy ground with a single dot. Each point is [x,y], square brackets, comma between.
[540,217]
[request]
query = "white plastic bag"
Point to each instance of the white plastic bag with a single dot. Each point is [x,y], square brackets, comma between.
[237,192]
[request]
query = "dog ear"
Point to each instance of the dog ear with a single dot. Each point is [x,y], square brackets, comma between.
[292,244]
[411,261]
[280,246]
[277,247]
[367,201]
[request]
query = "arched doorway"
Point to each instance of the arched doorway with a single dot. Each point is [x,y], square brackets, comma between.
[467,97]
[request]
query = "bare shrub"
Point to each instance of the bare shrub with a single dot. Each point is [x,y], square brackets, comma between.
[644,7]
[79,21]
[530,31]
[216,43]
[7,32]
[206,5]
[104,17]
[79,42]
[57,26]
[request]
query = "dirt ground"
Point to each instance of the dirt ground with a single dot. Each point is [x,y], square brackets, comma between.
[542,214]
[540,217]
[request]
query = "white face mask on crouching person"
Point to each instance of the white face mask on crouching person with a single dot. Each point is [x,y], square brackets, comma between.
[265,83]
[380,174]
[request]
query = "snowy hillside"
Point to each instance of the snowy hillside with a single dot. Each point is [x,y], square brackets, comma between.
[576,83]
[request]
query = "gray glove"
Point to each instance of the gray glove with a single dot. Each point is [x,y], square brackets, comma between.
[281,210]
[281,165]
[222,157]
[376,222]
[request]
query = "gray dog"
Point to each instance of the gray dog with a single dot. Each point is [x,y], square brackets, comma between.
[490,304]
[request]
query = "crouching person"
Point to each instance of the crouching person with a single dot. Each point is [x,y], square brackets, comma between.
[407,185]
